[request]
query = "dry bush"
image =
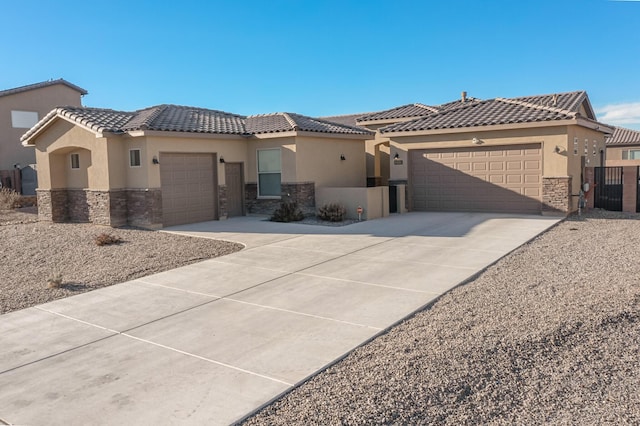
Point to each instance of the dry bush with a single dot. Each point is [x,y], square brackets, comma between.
[55,280]
[106,239]
[9,199]
[332,212]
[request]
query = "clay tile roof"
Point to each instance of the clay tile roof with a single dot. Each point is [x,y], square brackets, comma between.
[347,119]
[285,122]
[42,84]
[178,118]
[404,111]
[622,136]
[569,101]
[485,113]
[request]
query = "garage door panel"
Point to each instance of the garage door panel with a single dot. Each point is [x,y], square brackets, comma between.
[188,188]
[503,179]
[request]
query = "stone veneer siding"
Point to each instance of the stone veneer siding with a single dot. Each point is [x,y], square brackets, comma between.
[112,208]
[556,195]
[304,194]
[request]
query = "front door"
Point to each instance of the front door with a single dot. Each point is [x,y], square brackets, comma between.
[235,189]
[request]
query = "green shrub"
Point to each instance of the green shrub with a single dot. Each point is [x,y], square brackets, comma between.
[287,212]
[332,212]
[105,239]
[9,199]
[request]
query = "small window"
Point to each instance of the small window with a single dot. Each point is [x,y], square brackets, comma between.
[269,172]
[134,158]
[75,161]
[23,119]
[575,146]
[631,154]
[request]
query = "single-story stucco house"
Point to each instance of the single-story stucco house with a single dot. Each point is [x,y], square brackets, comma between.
[524,154]
[170,164]
[623,148]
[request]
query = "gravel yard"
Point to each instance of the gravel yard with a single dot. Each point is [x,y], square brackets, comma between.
[31,252]
[548,335]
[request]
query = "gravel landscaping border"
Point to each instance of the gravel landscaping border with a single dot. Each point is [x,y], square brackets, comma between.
[550,334]
[31,252]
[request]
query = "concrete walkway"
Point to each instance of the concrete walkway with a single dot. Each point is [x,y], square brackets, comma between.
[211,342]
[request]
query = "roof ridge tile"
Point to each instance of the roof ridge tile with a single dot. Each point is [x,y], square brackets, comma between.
[535,105]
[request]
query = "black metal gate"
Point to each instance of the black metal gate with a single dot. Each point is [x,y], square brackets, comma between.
[608,191]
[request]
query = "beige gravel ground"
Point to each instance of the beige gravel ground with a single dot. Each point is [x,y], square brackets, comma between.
[32,252]
[548,335]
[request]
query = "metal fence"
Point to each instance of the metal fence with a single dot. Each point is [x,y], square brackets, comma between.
[608,188]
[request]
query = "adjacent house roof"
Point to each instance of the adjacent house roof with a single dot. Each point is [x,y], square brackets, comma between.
[622,136]
[41,85]
[414,110]
[562,106]
[347,119]
[176,118]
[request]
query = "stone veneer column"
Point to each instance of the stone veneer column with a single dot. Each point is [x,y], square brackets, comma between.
[52,205]
[144,208]
[556,195]
[303,193]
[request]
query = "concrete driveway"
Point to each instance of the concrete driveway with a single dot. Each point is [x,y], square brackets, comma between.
[211,342]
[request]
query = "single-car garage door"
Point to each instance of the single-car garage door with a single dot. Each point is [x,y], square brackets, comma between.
[188,188]
[493,179]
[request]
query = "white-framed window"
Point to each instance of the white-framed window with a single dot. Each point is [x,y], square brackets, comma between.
[134,158]
[75,161]
[23,119]
[575,146]
[269,172]
[631,154]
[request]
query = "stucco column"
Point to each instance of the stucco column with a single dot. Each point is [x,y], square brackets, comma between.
[629,188]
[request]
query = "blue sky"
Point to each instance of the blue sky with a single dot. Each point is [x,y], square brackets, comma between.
[326,57]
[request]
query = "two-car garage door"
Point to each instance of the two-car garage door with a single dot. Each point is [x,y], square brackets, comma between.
[494,179]
[188,188]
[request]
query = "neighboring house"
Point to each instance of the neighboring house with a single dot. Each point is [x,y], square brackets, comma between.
[623,148]
[20,109]
[522,154]
[168,164]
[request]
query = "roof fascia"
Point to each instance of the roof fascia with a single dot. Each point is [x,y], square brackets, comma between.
[391,120]
[512,126]
[595,125]
[49,122]
[190,135]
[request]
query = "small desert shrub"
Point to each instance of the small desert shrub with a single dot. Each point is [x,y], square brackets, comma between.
[332,212]
[287,212]
[55,280]
[9,198]
[105,239]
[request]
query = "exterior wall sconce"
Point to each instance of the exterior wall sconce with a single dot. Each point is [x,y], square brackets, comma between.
[397,156]
[155,160]
[476,141]
[221,160]
[557,149]
[342,157]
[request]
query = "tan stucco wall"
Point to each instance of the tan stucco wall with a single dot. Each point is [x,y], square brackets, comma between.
[148,176]
[41,101]
[374,201]
[553,164]
[53,149]
[318,160]
[288,149]
[614,155]
[574,168]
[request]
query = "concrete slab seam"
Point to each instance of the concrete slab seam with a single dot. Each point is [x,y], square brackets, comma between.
[206,359]
[155,344]
[411,290]
[302,313]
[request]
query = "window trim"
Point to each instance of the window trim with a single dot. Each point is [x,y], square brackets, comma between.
[267,197]
[75,163]
[131,151]
[627,153]
[21,115]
